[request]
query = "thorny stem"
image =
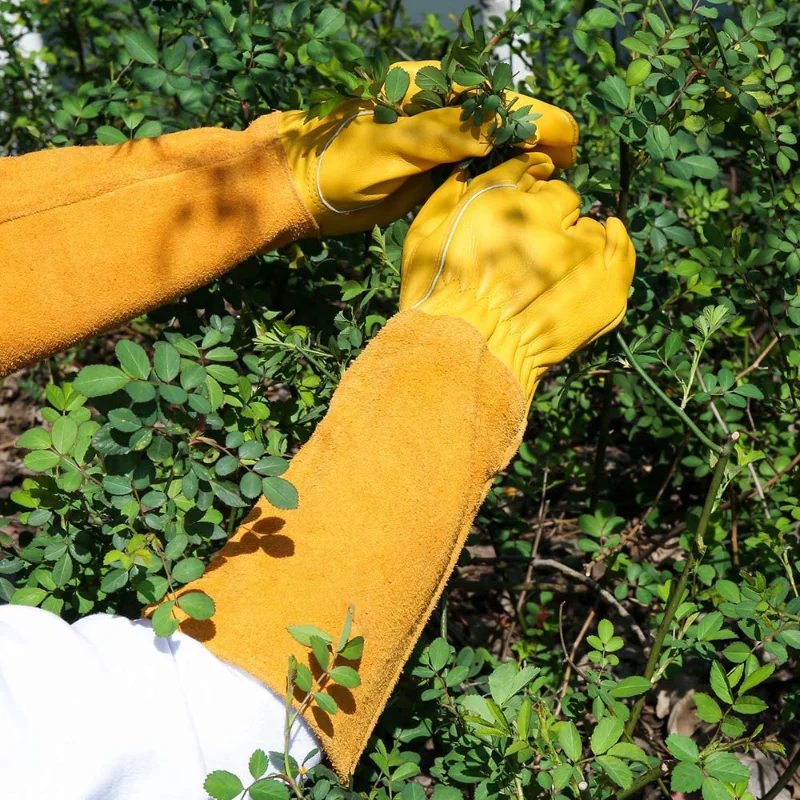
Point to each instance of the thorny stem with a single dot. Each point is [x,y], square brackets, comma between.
[651,775]
[679,587]
[659,393]
[787,775]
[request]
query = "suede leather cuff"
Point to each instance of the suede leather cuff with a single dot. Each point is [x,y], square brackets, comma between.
[91,237]
[389,485]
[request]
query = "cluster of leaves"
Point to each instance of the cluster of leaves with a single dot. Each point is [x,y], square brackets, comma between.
[336,664]
[145,463]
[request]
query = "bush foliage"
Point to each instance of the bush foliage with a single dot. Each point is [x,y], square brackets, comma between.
[648,527]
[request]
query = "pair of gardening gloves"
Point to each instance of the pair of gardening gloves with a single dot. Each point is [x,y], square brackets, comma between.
[507,252]
[501,279]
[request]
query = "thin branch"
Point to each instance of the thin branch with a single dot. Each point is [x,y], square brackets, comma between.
[787,775]
[549,563]
[678,587]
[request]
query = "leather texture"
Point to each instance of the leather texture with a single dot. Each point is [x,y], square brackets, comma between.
[389,485]
[509,253]
[354,173]
[91,237]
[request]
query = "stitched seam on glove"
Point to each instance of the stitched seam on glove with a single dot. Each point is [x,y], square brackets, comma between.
[319,192]
[443,256]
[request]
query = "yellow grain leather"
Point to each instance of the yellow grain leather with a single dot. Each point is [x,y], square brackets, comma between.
[93,236]
[509,253]
[354,173]
[389,484]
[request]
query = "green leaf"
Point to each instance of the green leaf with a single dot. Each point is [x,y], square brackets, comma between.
[755,678]
[385,115]
[630,751]
[396,86]
[501,77]
[686,777]
[167,361]
[269,790]
[638,71]
[280,493]
[124,420]
[701,166]
[738,652]
[708,709]
[28,596]
[62,571]
[598,19]
[468,78]
[41,460]
[164,624]
[631,687]
[431,79]
[439,654]
[228,494]
[749,704]
[615,91]
[197,605]
[117,484]
[570,740]
[345,676]
[791,638]
[714,790]
[617,770]
[317,51]
[726,767]
[140,47]
[303,678]
[189,569]
[353,649]
[507,679]
[108,135]
[326,703]
[250,485]
[133,359]
[683,748]
[321,653]
[303,634]
[719,683]
[114,580]
[99,380]
[223,785]
[271,466]
[34,439]
[606,734]
[64,434]
[329,22]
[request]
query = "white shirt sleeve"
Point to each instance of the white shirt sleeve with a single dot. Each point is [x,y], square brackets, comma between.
[105,710]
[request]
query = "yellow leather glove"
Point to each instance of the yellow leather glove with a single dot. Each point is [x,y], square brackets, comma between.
[509,253]
[353,173]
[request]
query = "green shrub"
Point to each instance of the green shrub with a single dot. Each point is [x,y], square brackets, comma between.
[655,490]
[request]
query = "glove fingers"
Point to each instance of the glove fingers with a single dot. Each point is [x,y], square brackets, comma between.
[619,254]
[435,137]
[554,128]
[439,204]
[524,170]
[562,157]
[558,203]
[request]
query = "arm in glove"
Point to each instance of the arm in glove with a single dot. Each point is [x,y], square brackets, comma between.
[506,281]
[93,236]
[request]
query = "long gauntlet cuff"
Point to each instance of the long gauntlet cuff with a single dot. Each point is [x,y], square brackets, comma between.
[389,485]
[91,237]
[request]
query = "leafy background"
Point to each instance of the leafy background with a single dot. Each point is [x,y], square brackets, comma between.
[625,619]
